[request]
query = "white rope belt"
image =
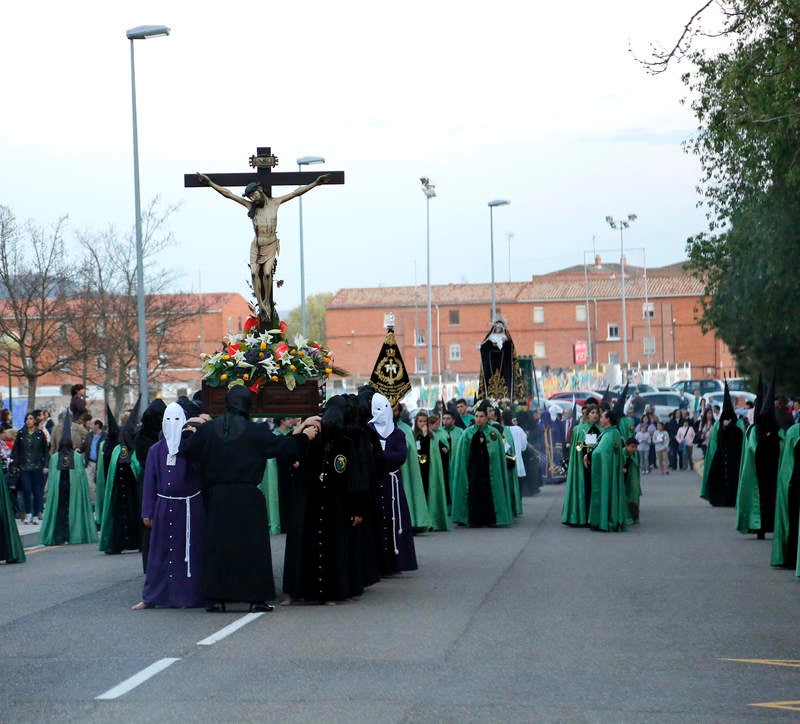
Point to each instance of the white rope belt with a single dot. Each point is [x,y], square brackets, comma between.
[397,521]
[186,500]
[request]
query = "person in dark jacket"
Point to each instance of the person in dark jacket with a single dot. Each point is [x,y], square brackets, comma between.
[31,458]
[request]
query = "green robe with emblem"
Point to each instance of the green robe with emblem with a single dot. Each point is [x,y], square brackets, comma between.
[574,511]
[107,523]
[785,534]
[627,428]
[82,528]
[11,550]
[437,497]
[499,490]
[748,502]
[608,507]
[412,482]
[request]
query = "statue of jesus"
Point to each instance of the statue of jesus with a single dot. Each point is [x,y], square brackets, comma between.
[263,210]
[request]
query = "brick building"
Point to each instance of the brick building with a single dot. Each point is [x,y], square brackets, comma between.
[553,317]
[173,351]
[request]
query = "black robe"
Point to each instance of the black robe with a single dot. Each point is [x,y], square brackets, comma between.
[479,495]
[324,559]
[723,476]
[238,560]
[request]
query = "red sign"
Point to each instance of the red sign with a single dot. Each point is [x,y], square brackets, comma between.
[580,353]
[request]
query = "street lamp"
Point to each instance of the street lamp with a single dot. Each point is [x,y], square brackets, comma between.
[141,32]
[304,161]
[429,190]
[492,204]
[622,224]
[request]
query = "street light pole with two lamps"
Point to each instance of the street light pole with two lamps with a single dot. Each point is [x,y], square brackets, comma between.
[622,224]
[141,32]
[492,204]
[429,190]
[304,161]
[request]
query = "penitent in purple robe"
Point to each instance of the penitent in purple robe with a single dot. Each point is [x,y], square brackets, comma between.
[171,497]
[397,551]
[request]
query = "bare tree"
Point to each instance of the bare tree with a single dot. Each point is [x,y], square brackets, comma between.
[36,281]
[105,336]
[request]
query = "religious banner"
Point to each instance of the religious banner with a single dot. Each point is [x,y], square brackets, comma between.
[390,376]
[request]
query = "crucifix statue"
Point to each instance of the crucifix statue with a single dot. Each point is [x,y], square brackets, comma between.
[262,208]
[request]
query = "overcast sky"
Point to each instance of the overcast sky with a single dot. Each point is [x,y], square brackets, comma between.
[539,103]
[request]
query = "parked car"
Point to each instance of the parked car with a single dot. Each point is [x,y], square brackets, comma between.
[698,387]
[665,402]
[616,389]
[740,398]
[581,396]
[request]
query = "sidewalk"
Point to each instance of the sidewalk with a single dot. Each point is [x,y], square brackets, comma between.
[29,534]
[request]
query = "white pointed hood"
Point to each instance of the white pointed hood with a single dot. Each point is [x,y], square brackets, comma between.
[382,415]
[172,425]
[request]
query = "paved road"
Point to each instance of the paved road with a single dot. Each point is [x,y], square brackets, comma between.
[537,622]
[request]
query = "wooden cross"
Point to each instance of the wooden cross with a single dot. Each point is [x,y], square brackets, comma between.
[263,163]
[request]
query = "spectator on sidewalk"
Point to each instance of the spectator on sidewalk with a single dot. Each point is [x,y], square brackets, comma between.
[643,438]
[661,445]
[30,456]
[685,438]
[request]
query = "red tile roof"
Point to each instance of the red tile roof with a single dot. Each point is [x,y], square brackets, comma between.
[565,284]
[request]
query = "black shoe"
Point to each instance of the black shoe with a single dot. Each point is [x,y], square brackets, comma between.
[261,607]
[216,608]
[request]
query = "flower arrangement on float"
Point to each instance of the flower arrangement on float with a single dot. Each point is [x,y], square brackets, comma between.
[255,358]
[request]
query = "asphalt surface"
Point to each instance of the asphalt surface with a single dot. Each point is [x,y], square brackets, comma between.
[537,622]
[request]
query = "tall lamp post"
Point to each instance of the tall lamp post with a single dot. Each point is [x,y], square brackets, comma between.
[492,204]
[304,161]
[622,224]
[141,32]
[429,190]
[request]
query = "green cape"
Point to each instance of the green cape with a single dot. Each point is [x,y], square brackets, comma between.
[100,484]
[437,498]
[626,428]
[82,528]
[452,444]
[780,536]
[512,477]
[269,487]
[497,461]
[107,522]
[8,526]
[574,510]
[633,487]
[711,450]
[412,482]
[607,510]
[748,504]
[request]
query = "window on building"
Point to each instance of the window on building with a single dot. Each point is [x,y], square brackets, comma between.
[454,317]
[613,358]
[580,313]
[162,359]
[455,352]
[161,327]
[239,323]
[419,365]
[63,363]
[539,350]
[100,328]
[419,338]
[613,331]
[101,362]
[648,310]
[230,325]
[538,315]
[63,330]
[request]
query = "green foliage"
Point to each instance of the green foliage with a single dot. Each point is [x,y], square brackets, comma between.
[315,317]
[747,102]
